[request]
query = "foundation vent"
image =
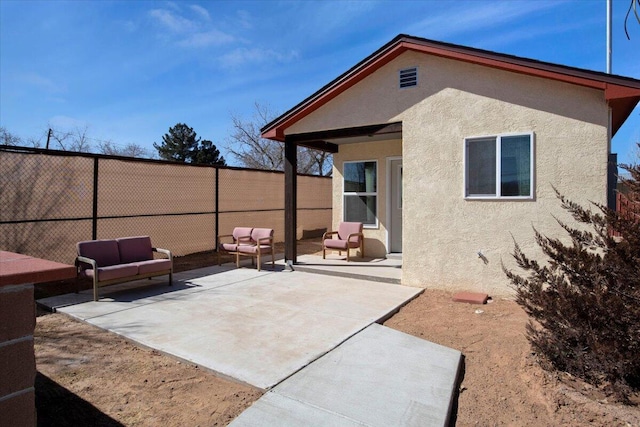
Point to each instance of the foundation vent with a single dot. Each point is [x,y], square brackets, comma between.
[408,77]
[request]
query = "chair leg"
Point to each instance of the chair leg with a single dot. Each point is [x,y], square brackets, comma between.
[237,259]
[324,252]
[95,290]
[273,260]
[258,260]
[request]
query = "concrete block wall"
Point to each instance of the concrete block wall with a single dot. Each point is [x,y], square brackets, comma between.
[17,359]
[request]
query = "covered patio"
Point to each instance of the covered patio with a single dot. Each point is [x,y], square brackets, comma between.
[329,141]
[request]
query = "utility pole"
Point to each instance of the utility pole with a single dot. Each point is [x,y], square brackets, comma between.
[609,42]
[48,138]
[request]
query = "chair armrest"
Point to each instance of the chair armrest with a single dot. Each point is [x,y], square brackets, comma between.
[353,235]
[167,252]
[328,233]
[86,260]
[268,239]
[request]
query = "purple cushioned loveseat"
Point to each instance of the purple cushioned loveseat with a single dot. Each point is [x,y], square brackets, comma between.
[107,262]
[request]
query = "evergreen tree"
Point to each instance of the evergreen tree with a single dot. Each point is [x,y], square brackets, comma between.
[584,300]
[182,144]
[208,154]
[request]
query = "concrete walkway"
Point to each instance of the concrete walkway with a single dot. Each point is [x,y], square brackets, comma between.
[306,337]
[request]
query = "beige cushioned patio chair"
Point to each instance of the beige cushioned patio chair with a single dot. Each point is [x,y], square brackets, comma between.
[348,236]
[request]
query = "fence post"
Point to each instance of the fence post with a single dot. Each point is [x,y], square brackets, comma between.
[612,180]
[217,222]
[94,227]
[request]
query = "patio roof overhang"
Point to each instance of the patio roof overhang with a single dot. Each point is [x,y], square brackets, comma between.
[329,140]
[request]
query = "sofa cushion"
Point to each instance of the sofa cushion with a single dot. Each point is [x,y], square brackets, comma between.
[153,266]
[113,272]
[104,252]
[134,249]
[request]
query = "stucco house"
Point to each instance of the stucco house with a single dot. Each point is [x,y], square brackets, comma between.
[448,153]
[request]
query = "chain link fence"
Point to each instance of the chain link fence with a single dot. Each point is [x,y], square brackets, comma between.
[50,200]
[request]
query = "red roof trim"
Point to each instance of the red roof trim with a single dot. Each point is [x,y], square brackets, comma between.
[614,87]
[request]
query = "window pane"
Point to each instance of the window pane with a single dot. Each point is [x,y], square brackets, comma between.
[360,177]
[515,166]
[481,166]
[360,209]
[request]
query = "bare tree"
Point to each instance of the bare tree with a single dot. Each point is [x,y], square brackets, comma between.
[253,151]
[129,150]
[7,138]
[75,140]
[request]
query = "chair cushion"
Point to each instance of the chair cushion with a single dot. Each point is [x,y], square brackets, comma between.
[104,252]
[153,266]
[261,233]
[113,272]
[239,232]
[134,249]
[229,247]
[253,249]
[346,228]
[335,244]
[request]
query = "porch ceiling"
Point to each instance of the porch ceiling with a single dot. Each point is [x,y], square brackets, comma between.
[329,140]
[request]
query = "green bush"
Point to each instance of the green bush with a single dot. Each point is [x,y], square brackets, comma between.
[584,300]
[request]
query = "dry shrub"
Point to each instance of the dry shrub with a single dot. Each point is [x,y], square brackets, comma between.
[584,301]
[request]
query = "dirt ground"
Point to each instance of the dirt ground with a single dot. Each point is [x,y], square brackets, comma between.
[87,376]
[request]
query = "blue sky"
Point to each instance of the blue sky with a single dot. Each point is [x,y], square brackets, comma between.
[129,70]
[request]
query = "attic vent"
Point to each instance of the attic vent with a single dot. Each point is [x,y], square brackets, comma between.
[409,77]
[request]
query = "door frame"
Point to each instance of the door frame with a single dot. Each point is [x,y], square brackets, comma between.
[388,200]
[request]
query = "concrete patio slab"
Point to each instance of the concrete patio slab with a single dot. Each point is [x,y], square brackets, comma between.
[379,377]
[255,327]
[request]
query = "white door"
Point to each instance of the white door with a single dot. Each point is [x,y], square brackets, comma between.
[395,211]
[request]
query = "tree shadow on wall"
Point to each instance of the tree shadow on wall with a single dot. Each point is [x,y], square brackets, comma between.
[35,188]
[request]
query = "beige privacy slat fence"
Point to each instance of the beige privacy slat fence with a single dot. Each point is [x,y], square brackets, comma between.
[49,200]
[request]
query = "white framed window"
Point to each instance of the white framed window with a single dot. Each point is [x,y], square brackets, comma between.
[360,192]
[499,166]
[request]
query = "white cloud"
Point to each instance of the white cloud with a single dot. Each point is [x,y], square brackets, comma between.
[245,19]
[471,16]
[191,33]
[126,26]
[41,82]
[243,56]
[172,21]
[206,39]
[201,11]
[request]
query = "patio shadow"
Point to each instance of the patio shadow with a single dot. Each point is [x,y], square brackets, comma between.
[57,406]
